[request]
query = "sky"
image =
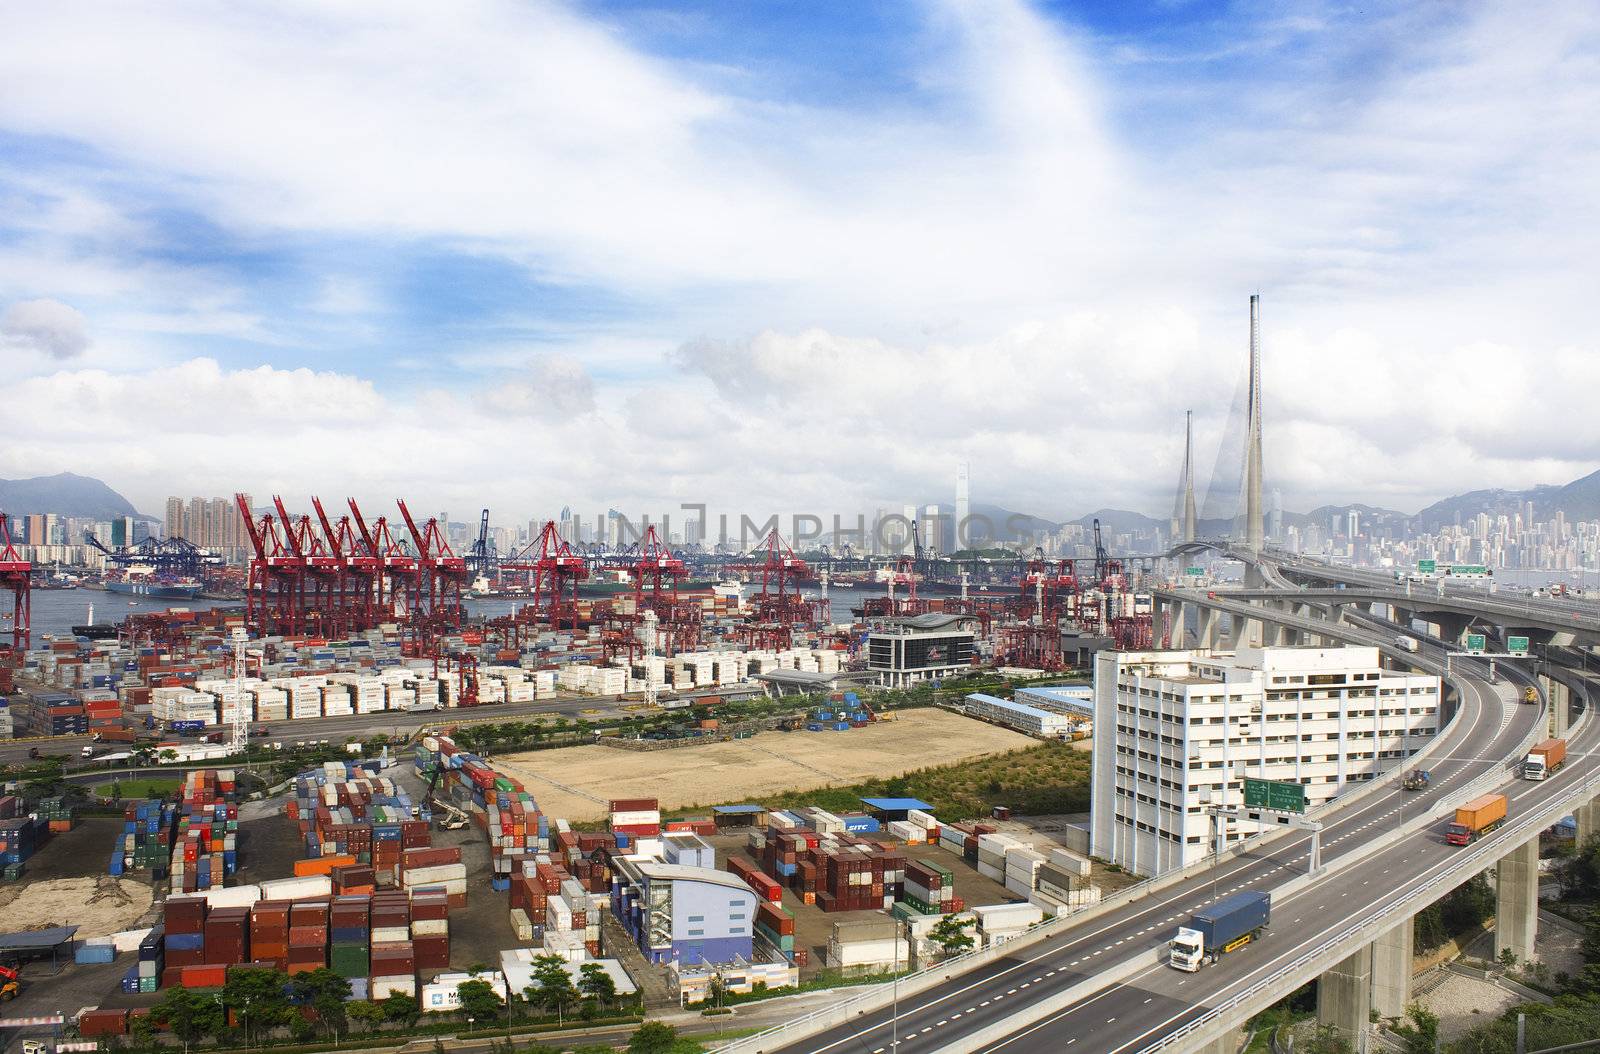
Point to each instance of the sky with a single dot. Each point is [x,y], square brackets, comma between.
[795,257]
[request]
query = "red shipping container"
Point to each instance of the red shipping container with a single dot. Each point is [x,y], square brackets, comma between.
[205,976]
[102,1023]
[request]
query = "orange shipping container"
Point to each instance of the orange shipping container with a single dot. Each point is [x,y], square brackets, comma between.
[321,865]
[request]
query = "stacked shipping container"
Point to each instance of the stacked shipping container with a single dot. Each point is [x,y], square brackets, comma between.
[379,941]
[204,845]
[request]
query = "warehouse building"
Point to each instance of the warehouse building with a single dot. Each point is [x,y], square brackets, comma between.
[677,913]
[1177,732]
[1047,724]
[922,648]
[1074,699]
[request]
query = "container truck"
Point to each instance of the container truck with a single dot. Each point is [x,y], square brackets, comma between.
[1230,923]
[1408,643]
[1476,818]
[1544,759]
[1530,694]
[1416,780]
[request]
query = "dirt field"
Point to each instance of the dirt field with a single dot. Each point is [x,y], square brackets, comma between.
[576,782]
[98,906]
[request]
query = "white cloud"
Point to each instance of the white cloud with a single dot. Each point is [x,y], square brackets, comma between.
[556,387]
[990,268]
[47,327]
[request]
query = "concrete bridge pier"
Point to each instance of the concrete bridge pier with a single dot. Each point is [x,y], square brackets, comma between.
[1391,970]
[1587,816]
[1517,901]
[1210,627]
[1560,704]
[1344,997]
[1228,1044]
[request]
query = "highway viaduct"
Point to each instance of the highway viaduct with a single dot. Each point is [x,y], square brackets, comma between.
[1096,981]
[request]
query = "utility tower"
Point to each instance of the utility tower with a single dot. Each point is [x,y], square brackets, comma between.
[1252,450]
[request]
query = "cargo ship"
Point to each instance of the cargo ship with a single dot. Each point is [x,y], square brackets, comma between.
[142,581]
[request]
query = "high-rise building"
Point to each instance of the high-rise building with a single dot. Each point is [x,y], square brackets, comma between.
[1352,524]
[1177,732]
[929,526]
[172,526]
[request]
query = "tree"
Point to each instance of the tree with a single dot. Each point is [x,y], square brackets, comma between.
[479,1000]
[326,993]
[950,934]
[401,1009]
[653,1037]
[369,1016]
[257,999]
[190,1016]
[553,990]
[1580,874]
[1421,1034]
[1326,1040]
[596,984]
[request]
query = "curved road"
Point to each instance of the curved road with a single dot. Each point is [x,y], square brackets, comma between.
[1490,728]
[1158,1000]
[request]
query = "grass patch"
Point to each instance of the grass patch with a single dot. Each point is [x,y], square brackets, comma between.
[136,788]
[1032,781]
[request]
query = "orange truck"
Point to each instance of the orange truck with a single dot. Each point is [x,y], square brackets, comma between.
[1544,759]
[1476,818]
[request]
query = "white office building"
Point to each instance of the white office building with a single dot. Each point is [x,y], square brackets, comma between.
[1178,731]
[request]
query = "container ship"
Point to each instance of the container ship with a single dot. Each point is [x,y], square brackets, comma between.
[141,581]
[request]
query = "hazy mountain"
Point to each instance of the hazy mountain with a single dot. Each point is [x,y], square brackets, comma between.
[64,494]
[1579,500]
[1120,520]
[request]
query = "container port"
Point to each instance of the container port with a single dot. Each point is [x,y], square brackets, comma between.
[408,867]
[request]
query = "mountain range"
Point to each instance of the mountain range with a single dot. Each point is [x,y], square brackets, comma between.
[65,494]
[68,494]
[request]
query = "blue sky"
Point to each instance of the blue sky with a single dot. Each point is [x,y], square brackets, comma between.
[792,254]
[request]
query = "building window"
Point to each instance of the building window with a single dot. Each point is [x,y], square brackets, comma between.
[697,933]
[697,918]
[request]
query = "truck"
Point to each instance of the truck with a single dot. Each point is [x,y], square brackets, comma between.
[1530,694]
[1476,818]
[1403,641]
[1544,758]
[1416,779]
[1225,926]
[185,728]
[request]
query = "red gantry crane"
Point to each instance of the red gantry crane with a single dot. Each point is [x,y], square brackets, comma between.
[398,584]
[779,606]
[556,571]
[360,572]
[275,585]
[16,579]
[324,612]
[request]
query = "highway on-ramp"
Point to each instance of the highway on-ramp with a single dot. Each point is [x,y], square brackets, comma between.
[1490,728]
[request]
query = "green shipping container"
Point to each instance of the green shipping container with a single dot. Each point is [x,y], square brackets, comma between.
[349,960]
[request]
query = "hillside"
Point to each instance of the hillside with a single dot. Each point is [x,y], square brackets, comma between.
[64,494]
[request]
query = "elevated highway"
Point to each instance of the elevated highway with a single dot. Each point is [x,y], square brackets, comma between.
[1098,981]
[1104,960]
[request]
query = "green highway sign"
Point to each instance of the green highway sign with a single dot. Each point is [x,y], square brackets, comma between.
[1468,569]
[1270,794]
[1194,570]
[1476,642]
[1517,645]
[1427,567]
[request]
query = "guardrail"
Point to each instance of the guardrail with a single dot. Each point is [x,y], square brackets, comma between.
[1380,920]
[912,984]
